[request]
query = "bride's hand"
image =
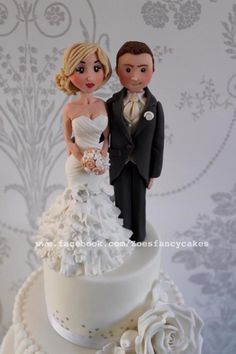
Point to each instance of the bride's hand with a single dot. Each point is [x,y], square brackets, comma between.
[104,151]
[73,149]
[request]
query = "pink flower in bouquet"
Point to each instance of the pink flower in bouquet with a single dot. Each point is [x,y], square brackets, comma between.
[89,165]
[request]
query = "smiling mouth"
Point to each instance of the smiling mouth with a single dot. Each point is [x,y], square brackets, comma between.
[89,84]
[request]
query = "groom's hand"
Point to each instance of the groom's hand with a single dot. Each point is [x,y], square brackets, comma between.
[150,183]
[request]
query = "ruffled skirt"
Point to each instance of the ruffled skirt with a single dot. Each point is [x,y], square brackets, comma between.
[82,233]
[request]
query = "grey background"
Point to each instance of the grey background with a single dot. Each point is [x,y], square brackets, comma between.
[194,42]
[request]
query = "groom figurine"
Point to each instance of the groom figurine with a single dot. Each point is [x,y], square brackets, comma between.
[136,123]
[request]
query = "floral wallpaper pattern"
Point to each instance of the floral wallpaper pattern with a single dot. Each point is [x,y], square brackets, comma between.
[230,32]
[30,140]
[214,270]
[194,45]
[185,13]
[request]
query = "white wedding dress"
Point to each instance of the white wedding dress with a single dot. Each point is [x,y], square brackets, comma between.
[81,232]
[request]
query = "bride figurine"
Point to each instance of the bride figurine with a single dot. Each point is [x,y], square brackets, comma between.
[81,232]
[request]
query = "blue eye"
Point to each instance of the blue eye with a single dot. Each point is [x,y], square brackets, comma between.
[80,69]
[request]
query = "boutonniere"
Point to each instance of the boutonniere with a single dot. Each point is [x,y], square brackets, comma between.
[149,115]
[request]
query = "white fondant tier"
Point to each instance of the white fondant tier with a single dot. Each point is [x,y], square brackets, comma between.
[93,311]
[31,332]
[7,345]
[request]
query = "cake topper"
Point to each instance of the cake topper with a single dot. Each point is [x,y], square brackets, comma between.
[76,233]
[85,69]
[136,122]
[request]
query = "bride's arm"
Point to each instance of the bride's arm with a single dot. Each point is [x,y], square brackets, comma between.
[72,148]
[106,133]
[105,145]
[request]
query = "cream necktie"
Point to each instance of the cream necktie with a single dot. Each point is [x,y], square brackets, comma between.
[132,108]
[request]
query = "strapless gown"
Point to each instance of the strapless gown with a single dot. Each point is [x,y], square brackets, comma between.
[81,232]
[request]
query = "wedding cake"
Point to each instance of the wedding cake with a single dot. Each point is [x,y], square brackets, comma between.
[135,308]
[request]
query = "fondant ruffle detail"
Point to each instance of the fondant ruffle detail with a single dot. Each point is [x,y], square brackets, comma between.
[81,233]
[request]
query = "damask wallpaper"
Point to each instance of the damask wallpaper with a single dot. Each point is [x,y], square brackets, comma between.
[193,204]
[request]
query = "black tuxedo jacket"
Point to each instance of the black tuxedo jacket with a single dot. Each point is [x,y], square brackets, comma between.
[147,142]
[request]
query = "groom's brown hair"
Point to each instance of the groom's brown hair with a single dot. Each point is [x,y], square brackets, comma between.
[134,47]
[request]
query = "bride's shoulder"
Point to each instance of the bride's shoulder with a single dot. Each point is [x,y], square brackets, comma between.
[70,108]
[99,100]
[71,105]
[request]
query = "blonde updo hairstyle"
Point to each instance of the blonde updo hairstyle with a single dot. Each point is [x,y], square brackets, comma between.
[72,57]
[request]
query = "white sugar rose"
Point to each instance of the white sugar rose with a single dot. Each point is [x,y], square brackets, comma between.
[127,341]
[111,348]
[169,328]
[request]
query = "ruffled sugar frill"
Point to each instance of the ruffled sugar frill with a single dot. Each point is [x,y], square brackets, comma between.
[78,235]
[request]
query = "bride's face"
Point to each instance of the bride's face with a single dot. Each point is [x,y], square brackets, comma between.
[88,75]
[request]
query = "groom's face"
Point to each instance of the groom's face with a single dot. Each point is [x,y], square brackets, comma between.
[135,71]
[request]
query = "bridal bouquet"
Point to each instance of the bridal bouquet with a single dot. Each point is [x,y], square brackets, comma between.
[94,162]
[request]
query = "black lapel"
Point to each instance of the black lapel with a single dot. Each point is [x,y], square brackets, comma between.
[150,105]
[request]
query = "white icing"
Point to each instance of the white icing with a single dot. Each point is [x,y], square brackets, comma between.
[75,234]
[169,328]
[83,214]
[78,339]
[111,348]
[36,327]
[91,307]
[127,341]
[161,291]
[88,131]
[23,342]
[144,340]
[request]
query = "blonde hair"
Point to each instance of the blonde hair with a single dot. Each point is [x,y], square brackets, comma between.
[72,57]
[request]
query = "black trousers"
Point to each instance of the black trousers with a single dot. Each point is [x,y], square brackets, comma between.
[130,198]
